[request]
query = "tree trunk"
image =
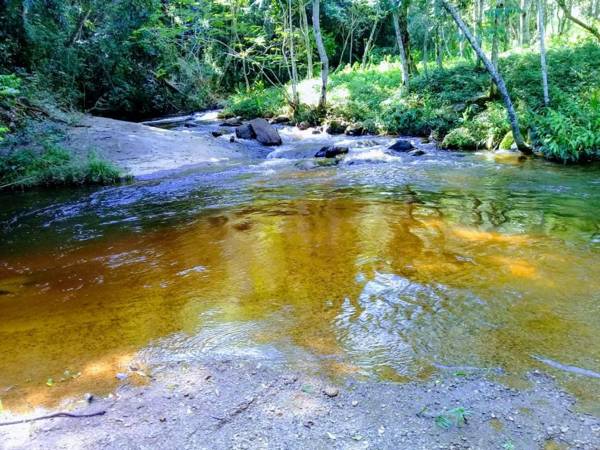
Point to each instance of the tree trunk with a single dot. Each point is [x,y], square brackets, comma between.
[524,23]
[512,115]
[295,95]
[495,37]
[403,26]
[585,26]
[322,54]
[403,60]
[307,40]
[369,43]
[439,57]
[541,33]
[425,58]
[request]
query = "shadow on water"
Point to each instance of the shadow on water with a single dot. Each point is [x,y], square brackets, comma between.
[388,269]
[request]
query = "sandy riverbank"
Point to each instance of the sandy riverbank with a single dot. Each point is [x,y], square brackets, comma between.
[245,403]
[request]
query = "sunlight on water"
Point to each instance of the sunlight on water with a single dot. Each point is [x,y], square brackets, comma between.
[392,270]
[365,286]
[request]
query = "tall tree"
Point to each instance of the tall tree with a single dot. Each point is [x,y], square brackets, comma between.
[541,18]
[524,22]
[307,40]
[322,53]
[512,114]
[403,58]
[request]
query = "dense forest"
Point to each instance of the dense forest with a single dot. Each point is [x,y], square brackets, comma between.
[471,74]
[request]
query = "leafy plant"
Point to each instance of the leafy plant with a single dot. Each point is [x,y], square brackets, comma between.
[456,417]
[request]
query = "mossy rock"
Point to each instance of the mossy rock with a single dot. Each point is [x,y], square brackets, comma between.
[507,141]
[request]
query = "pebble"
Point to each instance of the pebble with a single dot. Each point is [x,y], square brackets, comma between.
[331,391]
[354,403]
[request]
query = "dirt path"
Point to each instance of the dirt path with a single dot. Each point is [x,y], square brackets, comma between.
[243,404]
[142,150]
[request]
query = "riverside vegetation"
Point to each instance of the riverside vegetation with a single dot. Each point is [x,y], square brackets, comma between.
[485,74]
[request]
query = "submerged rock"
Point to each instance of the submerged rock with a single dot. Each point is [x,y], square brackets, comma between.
[245,131]
[416,152]
[217,133]
[265,133]
[331,151]
[402,145]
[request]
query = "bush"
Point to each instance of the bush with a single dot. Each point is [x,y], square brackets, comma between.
[54,166]
[453,104]
[260,102]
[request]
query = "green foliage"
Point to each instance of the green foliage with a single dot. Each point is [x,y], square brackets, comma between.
[54,166]
[570,132]
[453,105]
[456,417]
[460,139]
[260,102]
[9,90]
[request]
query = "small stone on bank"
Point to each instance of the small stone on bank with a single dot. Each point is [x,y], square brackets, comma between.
[331,391]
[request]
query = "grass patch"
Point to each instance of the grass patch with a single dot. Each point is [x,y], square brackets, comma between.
[54,166]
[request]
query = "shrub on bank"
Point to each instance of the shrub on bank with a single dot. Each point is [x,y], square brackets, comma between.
[54,166]
[453,104]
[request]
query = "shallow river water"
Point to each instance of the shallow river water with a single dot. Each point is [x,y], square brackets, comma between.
[383,266]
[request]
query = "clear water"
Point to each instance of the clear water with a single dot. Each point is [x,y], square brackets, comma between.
[381,266]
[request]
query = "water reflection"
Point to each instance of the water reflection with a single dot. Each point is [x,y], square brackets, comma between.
[374,285]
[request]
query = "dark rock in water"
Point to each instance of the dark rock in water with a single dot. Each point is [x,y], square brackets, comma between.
[217,133]
[317,131]
[331,151]
[336,127]
[303,126]
[265,133]
[280,119]
[235,122]
[232,139]
[245,131]
[416,152]
[401,145]
[354,130]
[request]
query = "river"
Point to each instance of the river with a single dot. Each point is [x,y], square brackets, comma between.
[384,266]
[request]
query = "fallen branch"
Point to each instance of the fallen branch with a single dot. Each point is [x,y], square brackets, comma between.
[53,416]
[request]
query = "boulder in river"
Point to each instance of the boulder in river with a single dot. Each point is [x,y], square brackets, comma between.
[331,151]
[402,145]
[354,130]
[265,133]
[416,152]
[217,133]
[336,127]
[303,125]
[245,131]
